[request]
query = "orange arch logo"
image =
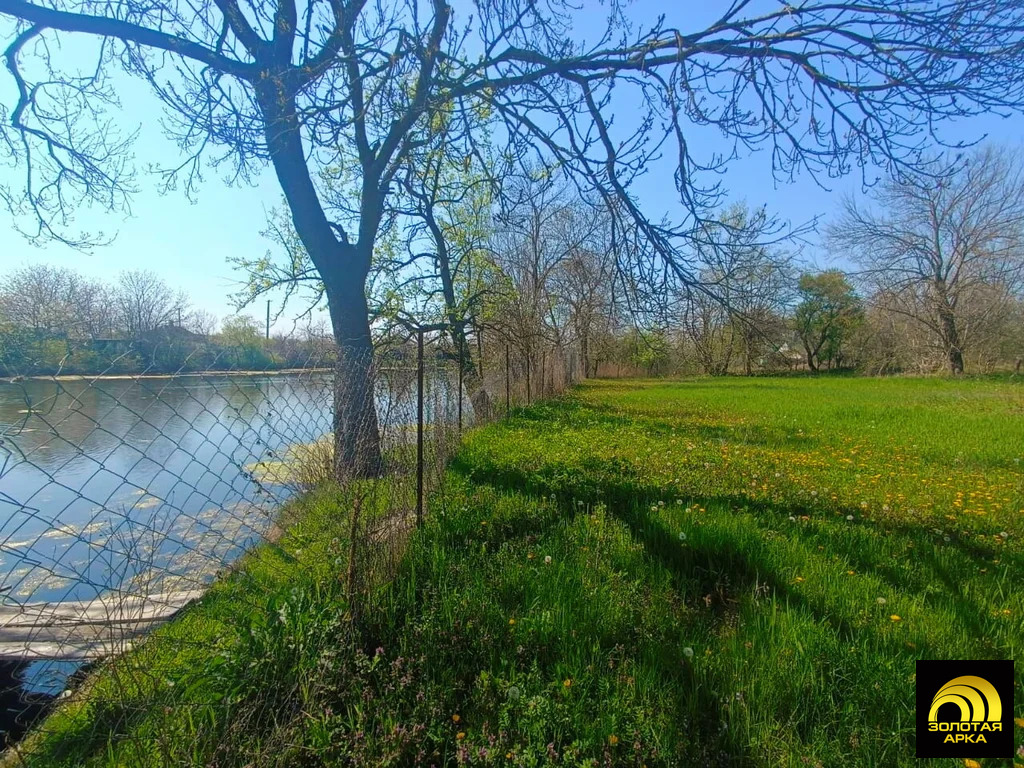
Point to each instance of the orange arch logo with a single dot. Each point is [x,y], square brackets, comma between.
[976,697]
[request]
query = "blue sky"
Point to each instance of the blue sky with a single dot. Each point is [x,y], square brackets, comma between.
[188,243]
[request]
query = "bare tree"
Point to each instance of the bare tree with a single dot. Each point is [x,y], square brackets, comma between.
[947,251]
[341,88]
[57,301]
[145,302]
[202,323]
[535,234]
[587,279]
[752,278]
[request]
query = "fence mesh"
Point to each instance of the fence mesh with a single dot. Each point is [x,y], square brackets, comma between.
[124,497]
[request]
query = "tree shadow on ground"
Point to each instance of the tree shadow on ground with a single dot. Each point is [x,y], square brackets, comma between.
[715,578]
[619,486]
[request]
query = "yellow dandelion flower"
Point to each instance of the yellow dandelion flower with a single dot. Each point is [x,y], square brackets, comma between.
[456,718]
[567,682]
[460,735]
[968,763]
[1019,721]
[511,622]
[896,617]
[613,739]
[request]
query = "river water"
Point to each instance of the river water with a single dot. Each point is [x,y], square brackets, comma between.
[149,485]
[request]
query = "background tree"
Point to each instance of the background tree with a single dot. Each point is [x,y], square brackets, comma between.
[54,301]
[588,282]
[342,87]
[240,331]
[828,313]
[753,278]
[946,251]
[202,323]
[143,303]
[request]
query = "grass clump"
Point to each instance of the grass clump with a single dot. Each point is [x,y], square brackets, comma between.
[725,572]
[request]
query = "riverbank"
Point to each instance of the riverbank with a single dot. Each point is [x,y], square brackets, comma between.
[705,572]
[222,652]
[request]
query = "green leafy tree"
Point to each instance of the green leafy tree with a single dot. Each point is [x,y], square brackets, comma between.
[828,313]
[248,348]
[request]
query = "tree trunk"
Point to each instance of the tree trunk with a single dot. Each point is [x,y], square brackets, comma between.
[343,268]
[356,431]
[951,340]
[472,377]
[811,365]
[585,353]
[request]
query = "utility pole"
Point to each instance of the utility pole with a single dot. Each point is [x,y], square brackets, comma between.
[268,319]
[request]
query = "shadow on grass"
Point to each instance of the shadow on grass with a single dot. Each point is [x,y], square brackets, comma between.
[627,496]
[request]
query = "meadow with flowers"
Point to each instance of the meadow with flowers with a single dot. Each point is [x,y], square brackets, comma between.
[724,572]
[715,572]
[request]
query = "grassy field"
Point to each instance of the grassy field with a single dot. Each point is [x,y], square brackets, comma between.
[699,572]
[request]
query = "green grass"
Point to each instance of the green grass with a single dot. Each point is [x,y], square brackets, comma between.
[742,572]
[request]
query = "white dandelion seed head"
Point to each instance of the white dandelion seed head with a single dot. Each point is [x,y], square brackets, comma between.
[547,559]
[881,600]
[688,652]
[849,518]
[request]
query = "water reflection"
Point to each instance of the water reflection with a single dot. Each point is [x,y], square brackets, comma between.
[141,481]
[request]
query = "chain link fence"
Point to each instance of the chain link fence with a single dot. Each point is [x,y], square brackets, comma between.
[124,497]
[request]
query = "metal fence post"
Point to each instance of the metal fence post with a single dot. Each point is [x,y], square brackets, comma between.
[508,379]
[419,428]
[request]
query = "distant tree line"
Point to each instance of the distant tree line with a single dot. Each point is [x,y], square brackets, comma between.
[935,282]
[55,320]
